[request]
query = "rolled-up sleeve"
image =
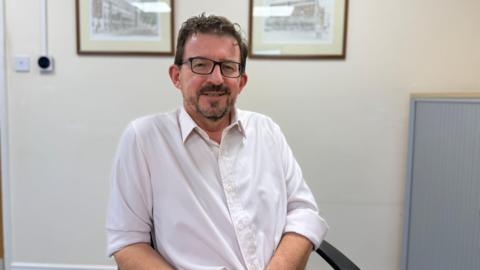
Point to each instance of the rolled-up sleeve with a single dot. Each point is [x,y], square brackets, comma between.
[302,211]
[129,212]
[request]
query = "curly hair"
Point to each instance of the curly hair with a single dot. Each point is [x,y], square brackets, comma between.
[210,25]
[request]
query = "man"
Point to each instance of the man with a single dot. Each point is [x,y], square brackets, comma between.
[215,187]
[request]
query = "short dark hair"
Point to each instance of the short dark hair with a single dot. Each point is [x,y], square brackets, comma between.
[210,25]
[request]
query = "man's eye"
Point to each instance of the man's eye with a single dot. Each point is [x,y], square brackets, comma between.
[199,64]
[229,67]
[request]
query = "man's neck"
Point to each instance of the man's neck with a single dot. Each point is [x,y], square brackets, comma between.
[215,129]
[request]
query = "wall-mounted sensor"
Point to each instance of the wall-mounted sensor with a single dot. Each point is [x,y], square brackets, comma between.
[22,63]
[45,63]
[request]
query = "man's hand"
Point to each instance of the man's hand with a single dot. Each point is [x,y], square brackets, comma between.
[292,253]
[140,256]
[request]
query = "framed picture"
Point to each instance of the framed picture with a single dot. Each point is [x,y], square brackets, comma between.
[125,27]
[298,28]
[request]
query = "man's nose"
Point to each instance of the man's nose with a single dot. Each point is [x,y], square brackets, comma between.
[216,76]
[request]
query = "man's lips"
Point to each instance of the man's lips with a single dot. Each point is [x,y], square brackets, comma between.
[213,93]
[214,90]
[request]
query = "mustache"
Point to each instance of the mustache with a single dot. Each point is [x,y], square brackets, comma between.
[214,88]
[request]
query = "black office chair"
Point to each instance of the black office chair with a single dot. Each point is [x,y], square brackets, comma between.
[335,258]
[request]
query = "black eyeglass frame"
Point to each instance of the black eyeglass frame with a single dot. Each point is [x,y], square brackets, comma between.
[241,68]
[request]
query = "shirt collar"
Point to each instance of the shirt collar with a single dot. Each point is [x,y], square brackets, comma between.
[187,125]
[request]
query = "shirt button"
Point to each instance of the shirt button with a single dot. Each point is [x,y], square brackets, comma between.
[229,187]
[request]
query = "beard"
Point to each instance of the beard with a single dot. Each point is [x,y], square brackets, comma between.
[214,111]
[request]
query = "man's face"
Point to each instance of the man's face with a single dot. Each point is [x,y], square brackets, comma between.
[208,97]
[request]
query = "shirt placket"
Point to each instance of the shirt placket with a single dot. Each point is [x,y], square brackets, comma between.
[242,221]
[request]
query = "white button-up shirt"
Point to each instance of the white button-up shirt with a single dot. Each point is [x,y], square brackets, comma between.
[210,206]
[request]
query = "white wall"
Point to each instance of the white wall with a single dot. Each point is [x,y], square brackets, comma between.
[345,120]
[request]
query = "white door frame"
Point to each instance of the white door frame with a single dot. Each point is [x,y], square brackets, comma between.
[4,143]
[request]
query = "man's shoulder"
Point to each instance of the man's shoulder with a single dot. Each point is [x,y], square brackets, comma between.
[253,118]
[257,122]
[157,121]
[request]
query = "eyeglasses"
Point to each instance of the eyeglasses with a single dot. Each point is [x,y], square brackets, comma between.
[205,66]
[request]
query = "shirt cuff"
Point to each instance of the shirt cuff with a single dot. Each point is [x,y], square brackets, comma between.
[308,223]
[117,240]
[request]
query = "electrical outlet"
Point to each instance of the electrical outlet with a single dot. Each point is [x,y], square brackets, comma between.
[22,63]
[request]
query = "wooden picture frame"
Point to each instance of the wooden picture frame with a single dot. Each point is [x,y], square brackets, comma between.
[124,27]
[298,29]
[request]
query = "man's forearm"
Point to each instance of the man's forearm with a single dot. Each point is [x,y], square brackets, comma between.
[292,253]
[140,256]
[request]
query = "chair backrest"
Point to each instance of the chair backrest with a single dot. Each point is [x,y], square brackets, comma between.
[335,258]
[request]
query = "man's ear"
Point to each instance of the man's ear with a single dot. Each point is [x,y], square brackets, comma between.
[174,72]
[243,80]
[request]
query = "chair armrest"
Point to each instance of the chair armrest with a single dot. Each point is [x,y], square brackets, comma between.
[335,258]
